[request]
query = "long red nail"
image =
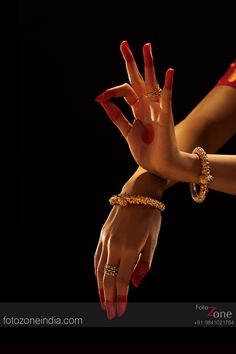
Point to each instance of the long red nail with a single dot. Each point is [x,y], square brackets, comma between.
[111,310]
[169,79]
[142,269]
[147,51]
[102,299]
[148,134]
[111,110]
[106,95]
[121,305]
[127,52]
[136,280]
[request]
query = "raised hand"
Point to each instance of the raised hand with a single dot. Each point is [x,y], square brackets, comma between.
[151,136]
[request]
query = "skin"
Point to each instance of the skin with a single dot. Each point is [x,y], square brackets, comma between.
[129,236]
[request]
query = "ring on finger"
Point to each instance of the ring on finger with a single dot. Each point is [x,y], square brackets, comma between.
[110,270]
[154,93]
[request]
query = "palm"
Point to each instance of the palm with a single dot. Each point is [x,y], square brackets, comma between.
[149,139]
[142,152]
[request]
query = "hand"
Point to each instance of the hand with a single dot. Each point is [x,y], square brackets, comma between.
[128,240]
[151,137]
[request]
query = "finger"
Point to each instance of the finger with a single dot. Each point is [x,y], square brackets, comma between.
[151,83]
[100,273]
[117,117]
[124,90]
[126,269]
[97,257]
[145,262]
[166,99]
[166,95]
[135,78]
[109,282]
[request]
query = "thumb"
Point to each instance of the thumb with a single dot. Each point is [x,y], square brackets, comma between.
[144,264]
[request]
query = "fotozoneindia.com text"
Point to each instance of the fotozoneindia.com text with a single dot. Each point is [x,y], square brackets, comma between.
[42,321]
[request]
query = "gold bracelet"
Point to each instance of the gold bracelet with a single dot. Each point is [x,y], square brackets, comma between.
[125,199]
[204,179]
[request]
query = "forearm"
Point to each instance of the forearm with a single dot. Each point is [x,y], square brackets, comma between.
[223,169]
[211,123]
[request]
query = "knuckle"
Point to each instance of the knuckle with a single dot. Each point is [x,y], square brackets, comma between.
[126,85]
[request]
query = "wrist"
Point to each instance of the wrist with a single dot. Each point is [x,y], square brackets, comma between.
[189,168]
[145,184]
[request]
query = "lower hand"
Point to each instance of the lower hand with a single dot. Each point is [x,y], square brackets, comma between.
[128,241]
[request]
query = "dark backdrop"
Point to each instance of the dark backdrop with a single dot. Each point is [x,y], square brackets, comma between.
[71,159]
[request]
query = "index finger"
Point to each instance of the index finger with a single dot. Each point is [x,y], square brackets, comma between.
[134,75]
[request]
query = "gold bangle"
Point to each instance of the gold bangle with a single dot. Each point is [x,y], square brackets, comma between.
[204,179]
[125,199]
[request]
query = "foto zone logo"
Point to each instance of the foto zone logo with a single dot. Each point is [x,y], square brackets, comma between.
[214,312]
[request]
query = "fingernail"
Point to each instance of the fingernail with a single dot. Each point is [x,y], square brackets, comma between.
[136,280]
[127,52]
[148,54]
[106,95]
[111,311]
[125,43]
[121,305]
[169,79]
[102,299]
[142,269]
[99,98]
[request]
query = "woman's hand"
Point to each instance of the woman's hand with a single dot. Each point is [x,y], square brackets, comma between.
[151,137]
[128,240]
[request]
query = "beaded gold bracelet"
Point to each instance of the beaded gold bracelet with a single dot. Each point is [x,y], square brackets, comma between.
[125,199]
[204,179]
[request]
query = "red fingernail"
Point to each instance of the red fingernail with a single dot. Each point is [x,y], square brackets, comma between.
[102,299]
[121,305]
[142,269]
[136,280]
[148,54]
[169,79]
[111,110]
[99,98]
[127,52]
[148,134]
[111,310]
[106,95]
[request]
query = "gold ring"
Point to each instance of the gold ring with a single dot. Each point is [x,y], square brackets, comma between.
[110,270]
[155,93]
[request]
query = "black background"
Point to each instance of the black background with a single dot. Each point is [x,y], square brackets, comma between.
[71,159]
